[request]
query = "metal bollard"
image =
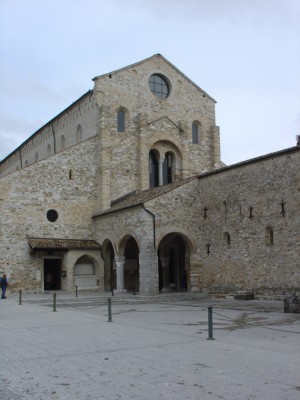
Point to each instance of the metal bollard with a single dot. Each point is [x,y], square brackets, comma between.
[20,297]
[210,324]
[54,302]
[109,309]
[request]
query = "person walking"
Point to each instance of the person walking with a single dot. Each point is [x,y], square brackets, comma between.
[3,284]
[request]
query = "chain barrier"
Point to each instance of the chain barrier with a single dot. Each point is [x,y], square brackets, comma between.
[251,324]
[211,310]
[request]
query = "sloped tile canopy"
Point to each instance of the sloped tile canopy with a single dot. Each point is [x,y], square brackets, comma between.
[62,244]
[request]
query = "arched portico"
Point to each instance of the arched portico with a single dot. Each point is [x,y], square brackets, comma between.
[174,263]
[128,265]
[110,275]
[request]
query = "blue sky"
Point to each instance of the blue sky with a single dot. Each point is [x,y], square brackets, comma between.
[244,53]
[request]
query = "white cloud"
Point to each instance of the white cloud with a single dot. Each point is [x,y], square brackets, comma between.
[244,53]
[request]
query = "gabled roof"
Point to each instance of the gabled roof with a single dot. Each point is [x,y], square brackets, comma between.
[138,199]
[151,58]
[144,196]
[62,244]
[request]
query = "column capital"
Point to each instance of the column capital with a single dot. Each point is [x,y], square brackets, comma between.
[119,259]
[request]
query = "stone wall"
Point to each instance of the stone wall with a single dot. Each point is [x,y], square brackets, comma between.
[65,182]
[151,122]
[76,123]
[251,260]
[225,218]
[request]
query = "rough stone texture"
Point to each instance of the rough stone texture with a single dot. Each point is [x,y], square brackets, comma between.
[27,196]
[233,229]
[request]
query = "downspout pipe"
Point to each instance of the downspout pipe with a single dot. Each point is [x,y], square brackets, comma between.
[153,219]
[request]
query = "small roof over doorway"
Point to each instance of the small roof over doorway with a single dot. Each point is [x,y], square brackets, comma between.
[62,244]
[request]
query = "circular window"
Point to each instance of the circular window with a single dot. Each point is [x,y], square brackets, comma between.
[159,86]
[52,215]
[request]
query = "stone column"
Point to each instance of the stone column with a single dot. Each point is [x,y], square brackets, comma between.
[161,173]
[165,274]
[120,262]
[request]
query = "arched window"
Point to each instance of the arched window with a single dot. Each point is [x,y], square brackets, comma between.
[269,235]
[79,134]
[196,127]
[153,170]
[121,120]
[168,168]
[62,142]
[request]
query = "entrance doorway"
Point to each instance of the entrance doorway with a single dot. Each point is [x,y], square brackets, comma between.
[173,263]
[52,274]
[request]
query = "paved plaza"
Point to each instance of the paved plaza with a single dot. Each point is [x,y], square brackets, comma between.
[152,349]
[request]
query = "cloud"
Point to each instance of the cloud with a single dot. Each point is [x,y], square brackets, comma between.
[244,53]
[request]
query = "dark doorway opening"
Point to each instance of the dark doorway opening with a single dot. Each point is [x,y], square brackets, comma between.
[132,270]
[173,263]
[52,274]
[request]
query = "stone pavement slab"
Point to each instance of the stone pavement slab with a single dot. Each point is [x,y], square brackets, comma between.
[154,350]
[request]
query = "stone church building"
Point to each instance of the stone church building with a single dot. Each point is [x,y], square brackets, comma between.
[125,190]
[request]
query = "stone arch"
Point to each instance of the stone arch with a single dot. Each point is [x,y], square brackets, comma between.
[110,275]
[85,272]
[129,250]
[174,253]
[159,137]
[170,157]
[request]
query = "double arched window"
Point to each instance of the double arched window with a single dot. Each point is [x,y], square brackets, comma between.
[161,170]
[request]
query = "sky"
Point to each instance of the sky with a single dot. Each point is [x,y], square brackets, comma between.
[243,53]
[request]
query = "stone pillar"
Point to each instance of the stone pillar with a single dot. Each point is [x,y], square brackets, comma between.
[161,173]
[120,262]
[165,274]
[148,270]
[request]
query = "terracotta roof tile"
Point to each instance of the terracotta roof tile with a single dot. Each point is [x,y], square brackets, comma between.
[62,244]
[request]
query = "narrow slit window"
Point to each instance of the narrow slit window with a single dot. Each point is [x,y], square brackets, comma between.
[269,236]
[121,121]
[195,133]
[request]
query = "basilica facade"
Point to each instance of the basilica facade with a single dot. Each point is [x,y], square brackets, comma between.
[124,190]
